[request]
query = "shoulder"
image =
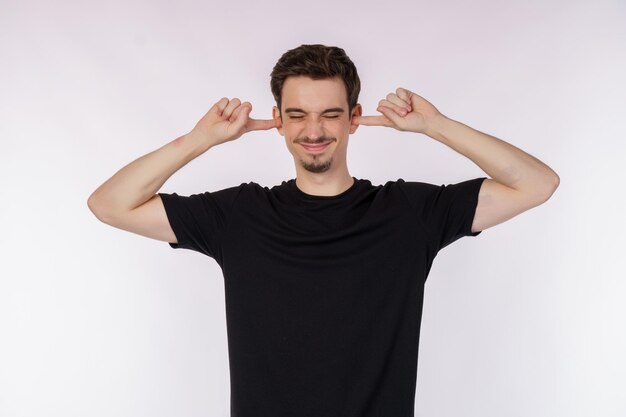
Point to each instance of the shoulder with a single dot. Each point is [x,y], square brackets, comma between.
[412,189]
[413,185]
[428,188]
[252,190]
[423,193]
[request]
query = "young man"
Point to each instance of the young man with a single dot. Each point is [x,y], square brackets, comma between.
[324,274]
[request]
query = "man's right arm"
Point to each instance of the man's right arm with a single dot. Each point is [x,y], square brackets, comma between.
[129,200]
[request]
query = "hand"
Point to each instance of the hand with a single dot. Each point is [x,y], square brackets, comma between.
[228,120]
[405,111]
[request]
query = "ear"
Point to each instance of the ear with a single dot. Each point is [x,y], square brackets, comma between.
[279,122]
[356,111]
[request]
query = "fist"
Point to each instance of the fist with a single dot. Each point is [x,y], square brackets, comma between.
[405,111]
[228,119]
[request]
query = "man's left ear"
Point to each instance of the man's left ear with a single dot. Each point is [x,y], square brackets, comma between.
[356,111]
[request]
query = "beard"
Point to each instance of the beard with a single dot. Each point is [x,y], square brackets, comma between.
[316,166]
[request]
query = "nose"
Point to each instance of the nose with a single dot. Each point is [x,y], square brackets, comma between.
[314,128]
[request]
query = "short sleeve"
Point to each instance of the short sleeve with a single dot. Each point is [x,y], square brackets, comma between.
[447,211]
[199,221]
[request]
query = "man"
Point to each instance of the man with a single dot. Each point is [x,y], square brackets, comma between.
[324,274]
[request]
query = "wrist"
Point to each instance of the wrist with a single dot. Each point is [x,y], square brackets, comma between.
[189,146]
[437,126]
[200,140]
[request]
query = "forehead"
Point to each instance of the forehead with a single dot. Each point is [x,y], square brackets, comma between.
[314,95]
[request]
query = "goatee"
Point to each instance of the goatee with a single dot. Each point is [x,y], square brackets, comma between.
[316,167]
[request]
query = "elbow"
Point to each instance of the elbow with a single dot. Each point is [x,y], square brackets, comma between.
[556,182]
[553,183]
[91,203]
[548,187]
[97,208]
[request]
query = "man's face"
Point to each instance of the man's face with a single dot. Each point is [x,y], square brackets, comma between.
[315,122]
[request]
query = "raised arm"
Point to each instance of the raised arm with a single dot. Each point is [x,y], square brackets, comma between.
[128,199]
[519,180]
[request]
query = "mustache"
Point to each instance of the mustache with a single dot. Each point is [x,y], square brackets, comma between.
[314,142]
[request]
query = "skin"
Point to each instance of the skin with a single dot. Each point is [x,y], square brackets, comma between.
[324,173]
[518,181]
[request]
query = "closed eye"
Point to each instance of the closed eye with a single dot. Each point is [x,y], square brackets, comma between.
[328,117]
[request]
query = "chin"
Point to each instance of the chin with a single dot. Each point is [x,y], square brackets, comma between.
[317,165]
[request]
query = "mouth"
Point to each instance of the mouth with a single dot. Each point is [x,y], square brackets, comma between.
[316,148]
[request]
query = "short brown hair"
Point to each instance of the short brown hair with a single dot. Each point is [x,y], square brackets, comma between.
[317,62]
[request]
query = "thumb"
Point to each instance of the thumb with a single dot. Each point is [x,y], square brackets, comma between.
[242,118]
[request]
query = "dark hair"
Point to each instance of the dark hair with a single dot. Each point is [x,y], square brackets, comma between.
[317,62]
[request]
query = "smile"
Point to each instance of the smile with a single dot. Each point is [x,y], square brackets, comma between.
[316,148]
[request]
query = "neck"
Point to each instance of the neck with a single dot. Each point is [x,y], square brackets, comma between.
[324,183]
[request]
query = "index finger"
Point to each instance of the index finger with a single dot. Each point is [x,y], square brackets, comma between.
[265,124]
[372,121]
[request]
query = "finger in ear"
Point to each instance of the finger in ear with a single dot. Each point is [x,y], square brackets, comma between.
[390,114]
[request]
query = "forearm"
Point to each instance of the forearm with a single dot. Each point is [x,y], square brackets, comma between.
[502,161]
[138,181]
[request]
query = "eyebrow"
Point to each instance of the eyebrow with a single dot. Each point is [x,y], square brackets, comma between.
[331,110]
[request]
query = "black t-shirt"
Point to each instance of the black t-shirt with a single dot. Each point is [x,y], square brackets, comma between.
[324,293]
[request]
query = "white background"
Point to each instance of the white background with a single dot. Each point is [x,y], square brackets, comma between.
[525,320]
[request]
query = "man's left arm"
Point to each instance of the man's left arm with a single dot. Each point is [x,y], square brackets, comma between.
[518,181]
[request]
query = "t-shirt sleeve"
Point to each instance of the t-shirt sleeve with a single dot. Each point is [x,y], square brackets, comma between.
[447,211]
[199,221]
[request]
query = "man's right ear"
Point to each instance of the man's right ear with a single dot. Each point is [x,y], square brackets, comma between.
[279,121]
